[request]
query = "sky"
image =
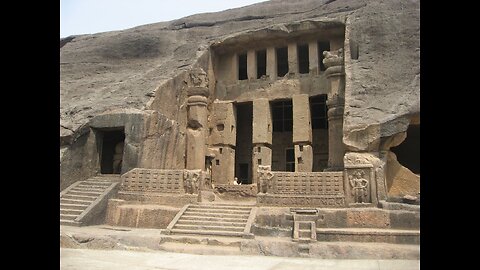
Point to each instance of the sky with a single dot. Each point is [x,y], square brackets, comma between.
[92,16]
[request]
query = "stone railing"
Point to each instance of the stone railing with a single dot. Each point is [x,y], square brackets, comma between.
[165,181]
[324,189]
[307,183]
[152,180]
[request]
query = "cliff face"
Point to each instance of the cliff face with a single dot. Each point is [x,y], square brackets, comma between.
[123,69]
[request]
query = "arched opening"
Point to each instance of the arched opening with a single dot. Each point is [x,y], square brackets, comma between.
[403,163]
[408,152]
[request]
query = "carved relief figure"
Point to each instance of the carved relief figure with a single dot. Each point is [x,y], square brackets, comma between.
[190,181]
[264,176]
[359,186]
[198,78]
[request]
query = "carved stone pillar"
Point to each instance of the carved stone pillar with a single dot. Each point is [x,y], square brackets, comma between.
[262,135]
[302,133]
[196,120]
[333,61]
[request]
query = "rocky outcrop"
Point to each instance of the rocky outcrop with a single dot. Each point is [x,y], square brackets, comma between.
[126,68]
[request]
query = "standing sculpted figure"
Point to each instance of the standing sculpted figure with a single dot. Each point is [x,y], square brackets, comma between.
[264,176]
[359,186]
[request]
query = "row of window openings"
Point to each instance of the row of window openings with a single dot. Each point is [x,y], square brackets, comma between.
[282,114]
[289,160]
[282,60]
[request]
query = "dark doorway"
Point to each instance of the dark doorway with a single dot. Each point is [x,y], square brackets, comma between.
[112,151]
[318,111]
[408,152]
[282,145]
[243,149]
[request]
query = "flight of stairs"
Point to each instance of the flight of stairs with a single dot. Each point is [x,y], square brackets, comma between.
[215,219]
[82,200]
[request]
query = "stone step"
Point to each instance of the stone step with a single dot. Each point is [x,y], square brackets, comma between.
[209,214]
[73,206]
[205,232]
[93,186]
[213,206]
[68,216]
[221,211]
[80,197]
[70,211]
[84,193]
[88,189]
[210,223]
[200,249]
[96,183]
[213,219]
[69,222]
[74,201]
[368,235]
[208,228]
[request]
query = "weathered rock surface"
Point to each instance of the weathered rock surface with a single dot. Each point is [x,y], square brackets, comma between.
[130,68]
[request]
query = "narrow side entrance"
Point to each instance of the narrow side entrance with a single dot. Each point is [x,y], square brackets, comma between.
[112,151]
[243,150]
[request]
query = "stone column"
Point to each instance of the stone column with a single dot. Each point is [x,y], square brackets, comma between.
[302,133]
[262,135]
[234,67]
[222,141]
[333,61]
[313,57]
[271,63]
[196,120]
[292,58]
[251,65]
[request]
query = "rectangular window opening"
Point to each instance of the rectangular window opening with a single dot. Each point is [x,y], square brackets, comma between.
[318,112]
[282,61]
[261,63]
[282,116]
[242,66]
[303,61]
[322,46]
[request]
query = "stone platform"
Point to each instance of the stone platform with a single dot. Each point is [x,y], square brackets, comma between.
[122,238]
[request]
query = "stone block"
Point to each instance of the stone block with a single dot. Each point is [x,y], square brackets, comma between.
[223,124]
[302,127]
[262,122]
[303,158]
[223,165]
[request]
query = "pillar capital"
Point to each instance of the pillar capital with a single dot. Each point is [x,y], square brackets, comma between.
[333,61]
[197,100]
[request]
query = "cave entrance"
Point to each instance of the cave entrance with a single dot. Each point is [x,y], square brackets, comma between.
[111,154]
[244,151]
[408,152]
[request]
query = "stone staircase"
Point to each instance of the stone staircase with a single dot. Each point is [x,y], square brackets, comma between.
[81,202]
[214,219]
